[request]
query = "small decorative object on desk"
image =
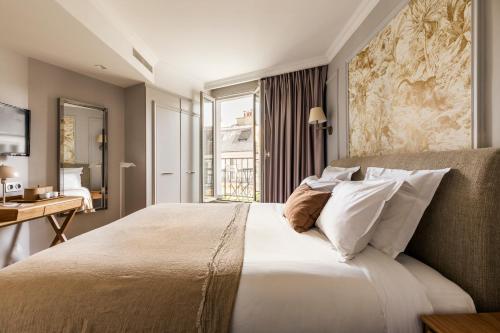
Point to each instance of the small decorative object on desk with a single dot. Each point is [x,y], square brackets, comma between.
[36,193]
[48,195]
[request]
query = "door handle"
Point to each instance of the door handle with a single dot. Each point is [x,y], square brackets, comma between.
[167,173]
[190,172]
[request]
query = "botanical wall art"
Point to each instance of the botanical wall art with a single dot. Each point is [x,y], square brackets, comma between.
[68,128]
[410,88]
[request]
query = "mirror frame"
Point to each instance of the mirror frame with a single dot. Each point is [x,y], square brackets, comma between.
[61,101]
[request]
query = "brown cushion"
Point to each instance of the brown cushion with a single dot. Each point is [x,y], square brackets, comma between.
[304,206]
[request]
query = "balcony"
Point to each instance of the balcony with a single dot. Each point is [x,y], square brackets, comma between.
[236,180]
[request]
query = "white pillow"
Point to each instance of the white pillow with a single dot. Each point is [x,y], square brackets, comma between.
[71,178]
[323,185]
[403,212]
[320,184]
[338,173]
[350,215]
[307,179]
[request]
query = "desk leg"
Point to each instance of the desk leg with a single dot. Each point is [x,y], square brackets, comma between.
[59,230]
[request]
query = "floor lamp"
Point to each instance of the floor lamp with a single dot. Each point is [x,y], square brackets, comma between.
[123,165]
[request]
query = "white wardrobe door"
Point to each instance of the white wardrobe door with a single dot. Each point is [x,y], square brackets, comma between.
[168,154]
[190,130]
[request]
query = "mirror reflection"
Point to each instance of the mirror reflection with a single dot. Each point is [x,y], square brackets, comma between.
[83,153]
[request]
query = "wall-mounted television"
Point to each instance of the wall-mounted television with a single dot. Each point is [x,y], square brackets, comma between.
[14,131]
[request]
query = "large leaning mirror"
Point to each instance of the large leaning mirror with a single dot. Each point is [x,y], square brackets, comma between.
[83,153]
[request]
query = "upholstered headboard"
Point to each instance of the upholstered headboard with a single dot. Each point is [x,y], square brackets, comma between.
[459,234]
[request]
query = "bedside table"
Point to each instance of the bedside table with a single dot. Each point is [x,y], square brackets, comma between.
[462,323]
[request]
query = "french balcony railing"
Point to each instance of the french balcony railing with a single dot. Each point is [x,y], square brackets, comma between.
[236,180]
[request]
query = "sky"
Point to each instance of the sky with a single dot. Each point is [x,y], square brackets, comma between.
[230,110]
[233,108]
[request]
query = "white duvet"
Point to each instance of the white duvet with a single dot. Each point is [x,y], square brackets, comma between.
[293,282]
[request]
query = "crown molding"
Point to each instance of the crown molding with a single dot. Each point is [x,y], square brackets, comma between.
[356,19]
[270,71]
[360,14]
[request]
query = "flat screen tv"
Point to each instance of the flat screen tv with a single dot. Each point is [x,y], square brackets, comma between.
[14,131]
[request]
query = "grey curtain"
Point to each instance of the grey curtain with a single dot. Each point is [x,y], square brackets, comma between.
[293,149]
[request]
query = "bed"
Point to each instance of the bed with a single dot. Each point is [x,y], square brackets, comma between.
[166,269]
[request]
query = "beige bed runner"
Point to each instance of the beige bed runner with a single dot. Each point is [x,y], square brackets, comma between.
[168,268]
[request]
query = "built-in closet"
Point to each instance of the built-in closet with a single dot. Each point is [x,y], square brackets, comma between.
[162,140]
[175,153]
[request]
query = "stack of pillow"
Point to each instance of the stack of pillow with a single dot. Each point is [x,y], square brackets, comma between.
[307,201]
[382,210]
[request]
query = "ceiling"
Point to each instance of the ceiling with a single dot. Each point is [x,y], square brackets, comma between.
[191,43]
[43,30]
[213,40]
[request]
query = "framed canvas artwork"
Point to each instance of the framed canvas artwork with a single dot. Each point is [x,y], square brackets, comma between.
[410,89]
[68,130]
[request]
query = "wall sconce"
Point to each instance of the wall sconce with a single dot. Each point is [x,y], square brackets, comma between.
[101,140]
[317,116]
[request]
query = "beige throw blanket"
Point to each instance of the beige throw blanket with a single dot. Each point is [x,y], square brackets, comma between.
[167,268]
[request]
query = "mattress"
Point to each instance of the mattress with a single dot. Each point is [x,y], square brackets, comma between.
[294,282]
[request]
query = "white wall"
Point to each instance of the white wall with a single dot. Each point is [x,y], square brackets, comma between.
[14,91]
[489,74]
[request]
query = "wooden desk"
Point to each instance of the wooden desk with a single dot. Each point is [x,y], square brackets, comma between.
[49,208]
[462,323]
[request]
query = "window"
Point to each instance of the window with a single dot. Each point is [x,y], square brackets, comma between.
[231,146]
[235,146]
[207,148]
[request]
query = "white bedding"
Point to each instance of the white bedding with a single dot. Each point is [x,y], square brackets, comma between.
[444,295]
[294,282]
[87,205]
